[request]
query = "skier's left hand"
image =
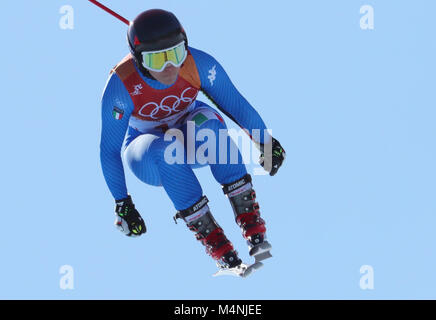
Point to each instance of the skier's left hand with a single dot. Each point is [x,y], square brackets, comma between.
[272,162]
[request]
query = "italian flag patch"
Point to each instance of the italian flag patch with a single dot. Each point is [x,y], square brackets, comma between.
[117,113]
[205,115]
[199,118]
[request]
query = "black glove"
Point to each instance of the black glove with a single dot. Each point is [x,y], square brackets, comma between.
[271,162]
[128,220]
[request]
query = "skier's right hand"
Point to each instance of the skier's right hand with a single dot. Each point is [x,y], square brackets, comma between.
[128,220]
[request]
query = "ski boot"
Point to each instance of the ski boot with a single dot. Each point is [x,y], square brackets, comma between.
[243,200]
[199,219]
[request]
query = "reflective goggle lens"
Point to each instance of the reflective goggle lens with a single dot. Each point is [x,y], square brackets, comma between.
[156,61]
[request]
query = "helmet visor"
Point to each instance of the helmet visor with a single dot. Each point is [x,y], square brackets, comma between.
[157,60]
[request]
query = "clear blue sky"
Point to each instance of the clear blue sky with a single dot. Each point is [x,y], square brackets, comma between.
[355,110]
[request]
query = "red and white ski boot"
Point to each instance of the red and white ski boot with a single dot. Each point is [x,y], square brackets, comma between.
[243,200]
[199,219]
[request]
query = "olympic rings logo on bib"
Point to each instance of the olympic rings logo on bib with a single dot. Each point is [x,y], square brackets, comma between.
[168,106]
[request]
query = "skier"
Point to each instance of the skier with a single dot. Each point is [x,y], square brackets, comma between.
[154,89]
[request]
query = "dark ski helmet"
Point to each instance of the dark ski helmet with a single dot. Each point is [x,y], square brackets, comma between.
[154,30]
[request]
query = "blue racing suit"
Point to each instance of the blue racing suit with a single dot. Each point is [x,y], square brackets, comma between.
[144,147]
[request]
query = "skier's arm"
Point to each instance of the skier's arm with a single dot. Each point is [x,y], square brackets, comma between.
[217,86]
[115,99]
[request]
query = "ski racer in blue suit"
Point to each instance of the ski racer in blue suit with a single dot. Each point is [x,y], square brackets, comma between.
[152,92]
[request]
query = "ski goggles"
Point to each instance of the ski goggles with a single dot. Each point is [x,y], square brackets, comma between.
[158,60]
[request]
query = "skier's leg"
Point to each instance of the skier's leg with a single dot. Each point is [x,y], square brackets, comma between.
[145,156]
[236,182]
[222,168]
[199,219]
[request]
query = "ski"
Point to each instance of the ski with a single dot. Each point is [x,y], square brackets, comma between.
[243,270]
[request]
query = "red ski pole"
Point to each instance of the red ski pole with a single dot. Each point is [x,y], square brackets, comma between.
[116,15]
